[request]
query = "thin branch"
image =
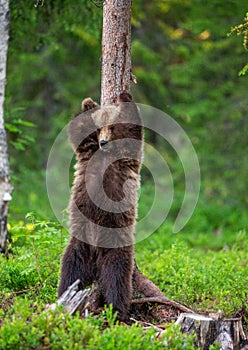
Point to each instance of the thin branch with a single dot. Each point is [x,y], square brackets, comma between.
[98,3]
[164,301]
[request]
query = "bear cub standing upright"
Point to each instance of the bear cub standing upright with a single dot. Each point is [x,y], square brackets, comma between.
[108,143]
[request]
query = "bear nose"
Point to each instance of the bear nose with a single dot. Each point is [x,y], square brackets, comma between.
[103,143]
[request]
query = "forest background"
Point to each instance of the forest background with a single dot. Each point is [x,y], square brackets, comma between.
[186,65]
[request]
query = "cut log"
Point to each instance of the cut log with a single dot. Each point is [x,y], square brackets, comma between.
[228,333]
[73,299]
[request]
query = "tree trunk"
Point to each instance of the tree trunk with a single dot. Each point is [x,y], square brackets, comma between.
[116,43]
[116,73]
[116,78]
[5,186]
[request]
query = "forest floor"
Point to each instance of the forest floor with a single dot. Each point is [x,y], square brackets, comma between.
[205,272]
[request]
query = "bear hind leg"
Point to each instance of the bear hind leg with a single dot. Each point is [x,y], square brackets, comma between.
[116,280]
[75,265]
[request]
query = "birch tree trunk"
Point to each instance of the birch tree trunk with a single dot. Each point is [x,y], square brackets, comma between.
[5,186]
[116,43]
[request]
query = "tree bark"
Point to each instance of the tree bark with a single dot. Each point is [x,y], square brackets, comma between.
[72,299]
[5,186]
[228,333]
[116,43]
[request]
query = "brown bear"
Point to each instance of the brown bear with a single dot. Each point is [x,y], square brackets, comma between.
[108,143]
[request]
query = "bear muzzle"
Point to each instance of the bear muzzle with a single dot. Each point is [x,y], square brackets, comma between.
[104,145]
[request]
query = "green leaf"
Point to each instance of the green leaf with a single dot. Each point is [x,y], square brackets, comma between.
[20,121]
[243,70]
[12,128]
[18,145]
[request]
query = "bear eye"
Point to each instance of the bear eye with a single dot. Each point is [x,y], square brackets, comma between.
[112,127]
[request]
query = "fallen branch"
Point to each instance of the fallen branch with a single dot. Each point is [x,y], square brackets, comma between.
[147,325]
[164,301]
[149,292]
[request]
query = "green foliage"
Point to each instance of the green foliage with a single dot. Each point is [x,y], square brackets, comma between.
[39,26]
[186,66]
[244,70]
[33,265]
[17,129]
[242,29]
[109,315]
[57,330]
[203,279]
[28,326]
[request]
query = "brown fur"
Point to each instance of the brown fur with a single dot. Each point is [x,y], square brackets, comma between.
[102,222]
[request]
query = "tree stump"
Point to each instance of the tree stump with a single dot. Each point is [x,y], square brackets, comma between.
[72,299]
[228,333]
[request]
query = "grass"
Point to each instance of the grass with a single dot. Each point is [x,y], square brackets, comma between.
[204,279]
[56,330]
[205,267]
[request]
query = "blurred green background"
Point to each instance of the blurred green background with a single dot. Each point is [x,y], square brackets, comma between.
[185,65]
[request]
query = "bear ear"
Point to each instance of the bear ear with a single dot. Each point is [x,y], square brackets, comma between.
[124,97]
[88,104]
